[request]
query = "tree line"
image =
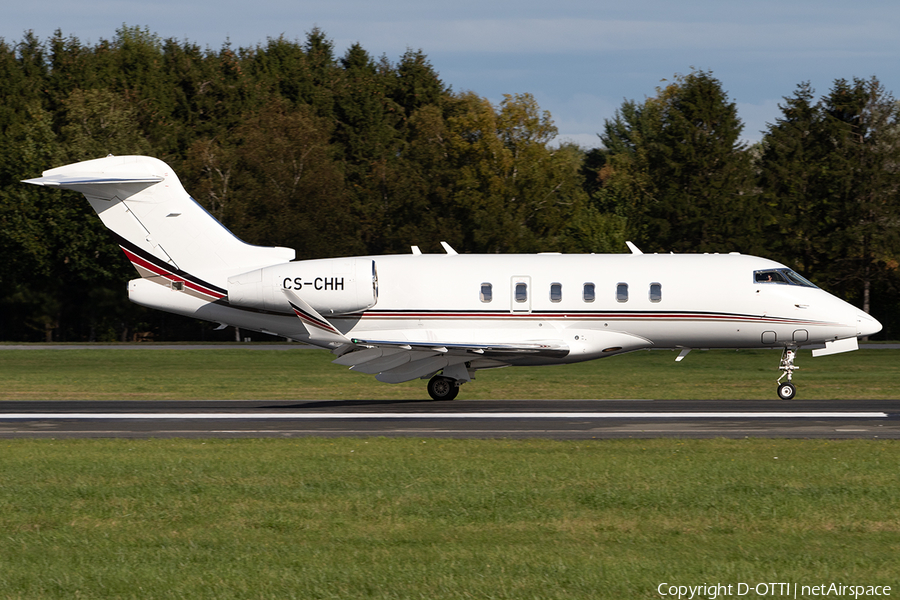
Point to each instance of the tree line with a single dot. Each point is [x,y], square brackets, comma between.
[289,144]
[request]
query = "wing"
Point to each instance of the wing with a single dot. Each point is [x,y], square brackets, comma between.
[541,348]
[394,361]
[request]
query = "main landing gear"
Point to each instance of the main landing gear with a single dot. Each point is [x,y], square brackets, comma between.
[786,390]
[442,388]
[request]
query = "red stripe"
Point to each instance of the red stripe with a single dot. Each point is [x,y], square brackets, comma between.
[307,319]
[138,261]
[587,316]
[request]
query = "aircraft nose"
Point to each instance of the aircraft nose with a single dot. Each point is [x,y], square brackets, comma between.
[866,325]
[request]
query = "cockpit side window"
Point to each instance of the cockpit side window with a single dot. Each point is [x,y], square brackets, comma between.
[782,276]
[770,276]
[798,279]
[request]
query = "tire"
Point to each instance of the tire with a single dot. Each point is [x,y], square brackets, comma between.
[442,388]
[786,391]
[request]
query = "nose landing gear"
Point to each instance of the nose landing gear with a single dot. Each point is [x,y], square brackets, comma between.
[786,390]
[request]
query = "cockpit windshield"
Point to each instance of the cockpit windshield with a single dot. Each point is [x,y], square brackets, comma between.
[782,276]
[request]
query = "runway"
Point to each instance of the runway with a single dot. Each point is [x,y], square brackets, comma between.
[555,419]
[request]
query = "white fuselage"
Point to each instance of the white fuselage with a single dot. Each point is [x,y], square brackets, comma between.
[698,301]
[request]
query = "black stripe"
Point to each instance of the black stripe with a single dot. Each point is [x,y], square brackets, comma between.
[599,313]
[164,265]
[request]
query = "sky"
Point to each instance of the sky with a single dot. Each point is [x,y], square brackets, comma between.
[580,59]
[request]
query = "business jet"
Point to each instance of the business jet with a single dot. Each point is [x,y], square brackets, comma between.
[442,317]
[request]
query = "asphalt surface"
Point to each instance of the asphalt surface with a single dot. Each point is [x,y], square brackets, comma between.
[264,346]
[554,419]
[165,346]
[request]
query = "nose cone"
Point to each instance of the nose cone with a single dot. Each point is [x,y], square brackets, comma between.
[866,325]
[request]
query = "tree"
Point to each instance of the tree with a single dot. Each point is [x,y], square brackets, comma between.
[98,123]
[368,144]
[675,167]
[284,143]
[831,171]
[862,212]
[417,83]
[517,194]
[287,188]
[789,167]
[63,254]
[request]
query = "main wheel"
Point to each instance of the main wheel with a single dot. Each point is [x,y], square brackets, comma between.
[786,391]
[442,388]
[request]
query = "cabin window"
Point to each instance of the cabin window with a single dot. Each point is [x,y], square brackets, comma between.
[178,286]
[555,292]
[588,293]
[486,292]
[521,292]
[655,292]
[622,292]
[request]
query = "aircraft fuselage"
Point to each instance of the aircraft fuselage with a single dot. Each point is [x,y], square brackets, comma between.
[654,300]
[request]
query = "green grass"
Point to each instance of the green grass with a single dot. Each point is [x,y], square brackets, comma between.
[410,518]
[308,374]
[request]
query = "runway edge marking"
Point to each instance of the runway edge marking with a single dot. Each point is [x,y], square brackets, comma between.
[445,415]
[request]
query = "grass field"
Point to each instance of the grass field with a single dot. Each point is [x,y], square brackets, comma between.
[308,374]
[408,518]
[398,518]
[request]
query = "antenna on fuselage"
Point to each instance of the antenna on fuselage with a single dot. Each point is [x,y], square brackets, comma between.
[634,249]
[448,249]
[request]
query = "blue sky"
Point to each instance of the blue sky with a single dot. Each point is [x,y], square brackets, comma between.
[579,58]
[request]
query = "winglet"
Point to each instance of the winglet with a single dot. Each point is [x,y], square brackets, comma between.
[321,332]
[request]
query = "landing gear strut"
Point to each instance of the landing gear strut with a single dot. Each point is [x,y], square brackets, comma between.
[786,390]
[442,388]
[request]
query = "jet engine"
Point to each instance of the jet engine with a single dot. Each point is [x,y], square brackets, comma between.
[334,286]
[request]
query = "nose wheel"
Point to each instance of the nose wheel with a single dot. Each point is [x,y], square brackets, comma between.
[786,390]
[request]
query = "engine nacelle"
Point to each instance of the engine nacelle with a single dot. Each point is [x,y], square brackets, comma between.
[332,286]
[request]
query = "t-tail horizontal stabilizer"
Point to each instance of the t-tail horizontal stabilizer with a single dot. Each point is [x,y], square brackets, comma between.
[142,201]
[100,185]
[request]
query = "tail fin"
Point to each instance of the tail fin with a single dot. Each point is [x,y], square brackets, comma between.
[162,230]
